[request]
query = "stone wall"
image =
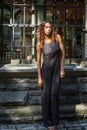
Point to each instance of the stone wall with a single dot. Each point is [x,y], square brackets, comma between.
[73,94]
[20,98]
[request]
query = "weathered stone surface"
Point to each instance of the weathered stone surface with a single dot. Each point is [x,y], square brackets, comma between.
[34,100]
[37,118]
[21,86]
[81,109]
[83,88]
[66,80]
[77,109]
[67,109]
[82,79]
[33,126]
[69,88]
[73,93]
[63,125]
[20,111]
[23,119]
[13,97]
[83,98]
[18,86]
[7,127]
[35,97]
[17,80]
[69,99]
[35,92]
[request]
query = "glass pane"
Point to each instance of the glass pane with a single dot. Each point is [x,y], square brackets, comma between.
[7,2]
[28,43]
[18,1]
[59,16]
[22,16]
[79,46]
[6,42]
[74,42]
[80,13]
[22,43]
[55,14]
[28,2]
[5,36]
[70,41]
[5,12]
[70,13]
[28,15]
[6,16]
[60,12]
[49,14]
[18,15]
[22,1]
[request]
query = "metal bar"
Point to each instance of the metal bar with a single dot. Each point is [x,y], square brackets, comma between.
[54,10]
[44,9]
[65,24]
[1,56]
[24,17]
[75,28]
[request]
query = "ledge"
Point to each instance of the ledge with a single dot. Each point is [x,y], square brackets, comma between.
[33,67]
[29,70]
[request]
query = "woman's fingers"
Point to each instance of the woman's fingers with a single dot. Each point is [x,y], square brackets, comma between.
[62,74]
[40,84]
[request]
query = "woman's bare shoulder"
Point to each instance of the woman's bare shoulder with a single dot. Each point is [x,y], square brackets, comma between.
[39,46]
[58,37]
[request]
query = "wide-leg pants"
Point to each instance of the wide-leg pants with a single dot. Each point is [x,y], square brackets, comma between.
[50,95]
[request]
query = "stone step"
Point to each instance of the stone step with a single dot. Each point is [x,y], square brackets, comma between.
[22,119]
[63,125]
[79,110]
[20,111]
[18,86]
[17,80]
[18,72]
[13,98]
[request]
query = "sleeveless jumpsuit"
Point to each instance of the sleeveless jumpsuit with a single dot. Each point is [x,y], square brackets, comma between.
[50,91]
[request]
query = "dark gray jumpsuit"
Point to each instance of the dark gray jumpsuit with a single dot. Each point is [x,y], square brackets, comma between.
[51,78]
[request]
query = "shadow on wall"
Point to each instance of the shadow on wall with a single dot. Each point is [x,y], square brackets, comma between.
[73,95]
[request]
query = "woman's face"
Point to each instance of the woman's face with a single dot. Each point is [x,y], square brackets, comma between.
[47,29]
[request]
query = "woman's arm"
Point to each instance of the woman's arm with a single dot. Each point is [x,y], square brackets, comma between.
[62,73]
[40,81]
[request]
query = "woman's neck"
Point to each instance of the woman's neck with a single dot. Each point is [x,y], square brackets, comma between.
[47,39]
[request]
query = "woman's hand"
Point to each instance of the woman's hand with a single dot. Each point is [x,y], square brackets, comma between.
[62,73]
[40,82]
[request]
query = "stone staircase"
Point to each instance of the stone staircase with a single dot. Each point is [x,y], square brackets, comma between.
[19,95]
[20,99]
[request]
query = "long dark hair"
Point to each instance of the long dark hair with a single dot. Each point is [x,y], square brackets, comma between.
[40,32]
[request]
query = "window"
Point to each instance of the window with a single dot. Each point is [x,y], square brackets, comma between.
[16,36]
[5,35]
[68,16]
[19,19]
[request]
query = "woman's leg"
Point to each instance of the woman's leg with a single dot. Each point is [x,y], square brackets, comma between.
[46,99]
[55,97]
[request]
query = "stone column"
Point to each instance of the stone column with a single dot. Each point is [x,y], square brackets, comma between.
[85,29]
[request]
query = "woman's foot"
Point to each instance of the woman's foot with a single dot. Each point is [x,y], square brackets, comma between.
[51,128]
[56,128]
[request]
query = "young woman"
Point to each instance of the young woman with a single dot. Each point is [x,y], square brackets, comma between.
[49,73]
